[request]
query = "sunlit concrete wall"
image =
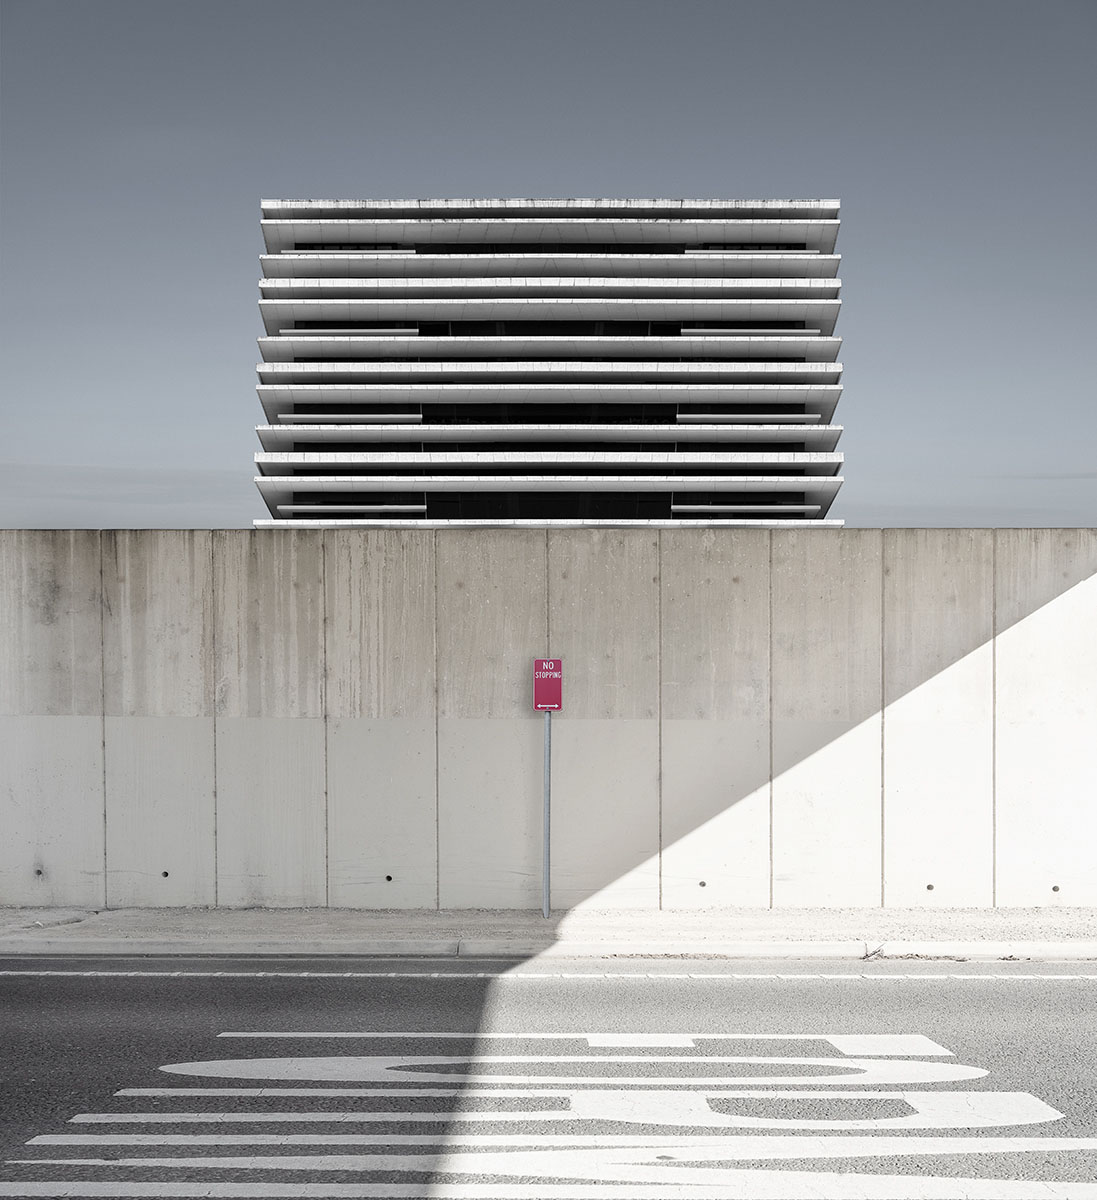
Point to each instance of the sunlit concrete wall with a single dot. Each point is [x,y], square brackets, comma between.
[751,717]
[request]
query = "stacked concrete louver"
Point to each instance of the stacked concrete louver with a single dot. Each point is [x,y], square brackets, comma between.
[549,361]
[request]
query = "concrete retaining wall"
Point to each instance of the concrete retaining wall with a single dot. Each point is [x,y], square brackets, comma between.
[796,717]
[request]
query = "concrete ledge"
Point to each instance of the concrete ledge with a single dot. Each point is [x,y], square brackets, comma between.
[230,947]
[658,948]
[989,950]
[506,948]
[13,920]
[851,935]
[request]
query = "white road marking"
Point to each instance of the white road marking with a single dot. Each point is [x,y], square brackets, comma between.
[503,976]
[572,1155]
[671,1040]
[894,1045]
[380,1068]
[541,1166]
[685,1109]
[362,1117]
[732,1185]
[666,1041]
[330,1091]
[693,1147]
[931,1110]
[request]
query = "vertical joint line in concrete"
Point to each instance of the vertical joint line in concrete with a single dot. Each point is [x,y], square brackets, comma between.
[324,710]
[883,717]
[213,695]
[437,748]
[103,705]
[659,708]
[994,719]
[769,689]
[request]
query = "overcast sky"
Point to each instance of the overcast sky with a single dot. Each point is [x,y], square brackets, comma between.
[139,136]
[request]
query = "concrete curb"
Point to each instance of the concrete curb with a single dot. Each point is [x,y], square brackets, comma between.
[510,948]
[234,947]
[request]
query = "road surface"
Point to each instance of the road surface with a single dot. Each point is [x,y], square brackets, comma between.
[620,1080]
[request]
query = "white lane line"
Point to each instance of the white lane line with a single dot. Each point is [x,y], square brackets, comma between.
[430,1093]
[683,1041]
[503,976]
[893,1045]
[443,1116]
[732,1185]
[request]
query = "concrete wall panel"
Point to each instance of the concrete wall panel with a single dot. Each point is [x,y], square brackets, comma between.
[51,723]
[51,804]
[604,625]
[381,704]
[269,656]
[160,811]
[1046,744]
[938,723]
[715,814]
[270,812]
[492,623]
[159,736]
[489,812]
[827,698]
[605,813]
[382,814]
[715,718]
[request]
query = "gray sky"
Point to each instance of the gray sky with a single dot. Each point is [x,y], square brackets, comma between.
[139,136]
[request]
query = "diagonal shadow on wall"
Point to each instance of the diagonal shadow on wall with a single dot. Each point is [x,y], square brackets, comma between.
[795,717]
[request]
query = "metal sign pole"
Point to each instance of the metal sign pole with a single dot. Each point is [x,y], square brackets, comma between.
[546,844]
[548,694]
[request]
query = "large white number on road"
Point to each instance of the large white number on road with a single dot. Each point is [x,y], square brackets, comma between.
[536,1116]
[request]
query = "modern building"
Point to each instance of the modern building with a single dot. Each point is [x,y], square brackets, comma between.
[549,362]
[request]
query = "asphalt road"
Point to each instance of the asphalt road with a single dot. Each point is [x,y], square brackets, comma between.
[624,1080]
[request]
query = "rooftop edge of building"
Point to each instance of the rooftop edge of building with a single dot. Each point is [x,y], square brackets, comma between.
[548,206]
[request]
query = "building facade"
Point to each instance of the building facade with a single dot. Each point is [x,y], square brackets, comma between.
[549,362]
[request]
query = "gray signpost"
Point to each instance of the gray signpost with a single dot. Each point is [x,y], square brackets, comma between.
[548,692]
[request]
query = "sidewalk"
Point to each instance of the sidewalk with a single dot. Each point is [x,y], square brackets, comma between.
[1021,933]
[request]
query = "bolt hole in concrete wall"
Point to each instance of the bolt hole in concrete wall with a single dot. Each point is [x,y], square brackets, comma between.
[929,887]
[930,691]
